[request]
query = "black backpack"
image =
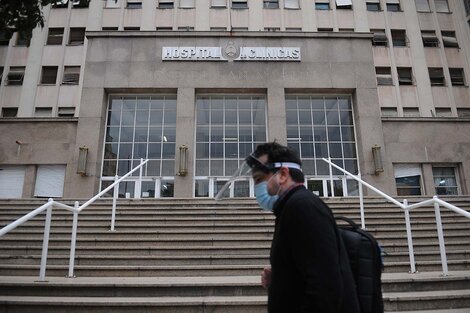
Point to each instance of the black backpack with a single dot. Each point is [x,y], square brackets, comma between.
[366,265]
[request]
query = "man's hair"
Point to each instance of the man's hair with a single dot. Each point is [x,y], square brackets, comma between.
[280,153]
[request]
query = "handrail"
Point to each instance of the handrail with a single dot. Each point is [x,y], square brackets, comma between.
[75,210]
[435,201]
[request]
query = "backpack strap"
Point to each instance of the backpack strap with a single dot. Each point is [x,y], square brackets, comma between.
[347,220]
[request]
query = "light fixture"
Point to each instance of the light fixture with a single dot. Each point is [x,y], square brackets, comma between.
[183,164]
[377,159]
[82,156]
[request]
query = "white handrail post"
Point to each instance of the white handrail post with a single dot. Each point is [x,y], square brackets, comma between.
[409,237]
[440,235]
[115,196]
[45,241]
[73,242]
[331,179]
[138,188]
[361,203]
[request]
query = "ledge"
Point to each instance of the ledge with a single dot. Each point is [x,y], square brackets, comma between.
[229,34]
[37,119]
[425,119]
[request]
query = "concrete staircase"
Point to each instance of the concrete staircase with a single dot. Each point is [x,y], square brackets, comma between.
[199,255]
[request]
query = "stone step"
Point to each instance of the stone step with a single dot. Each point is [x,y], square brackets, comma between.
[198,270]
[200,286]
[392,301]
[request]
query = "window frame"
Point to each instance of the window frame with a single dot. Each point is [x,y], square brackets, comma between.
[52,39]
[399,42]
[460,78]
[436,76]
[270,4]
[47,72]
[384,79]
[405,80]
[71,76]
[17,71]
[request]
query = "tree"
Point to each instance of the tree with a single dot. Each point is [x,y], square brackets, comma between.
[21,16]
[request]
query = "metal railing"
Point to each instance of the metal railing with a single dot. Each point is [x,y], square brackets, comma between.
[407,208]
[76,209]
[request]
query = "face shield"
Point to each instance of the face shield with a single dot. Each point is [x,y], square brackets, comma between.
[244,172]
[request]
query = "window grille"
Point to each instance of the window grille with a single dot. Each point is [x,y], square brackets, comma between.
[49,75]
[436,75]
[55,36]
[457,77]
[405,76]
[384,76]
[71,75]
[15,76]
[430,38]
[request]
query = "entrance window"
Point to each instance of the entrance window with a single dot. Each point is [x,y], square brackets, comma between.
[141,127]
[321,127]
[408,179]
[228,128]
[445,180]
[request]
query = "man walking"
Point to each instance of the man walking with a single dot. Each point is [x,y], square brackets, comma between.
[310,269]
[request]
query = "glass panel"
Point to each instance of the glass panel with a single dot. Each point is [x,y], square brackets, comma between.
[148,189]
[334,134]
[156,104]
[351,166]
[353,188]
[307,150]
[168,150]
[127,134]
[169,134]
[217,150]
[114,118]
[318,117]
[129,104]
[259,133]
[245,149]
[141,134]
[143,104]
[320,133]
[322,167]
[409,186]
[105,184]
[155,134]
[218,185]
[140,151]
[156,118]
[125,151]
[245,117]
[167,188]
[217,134]
[126,189]
[112,134]
[321,150]
[201,188]
[291,117]
[332,117]
[115,105]
[170,117]
[217,168]
[347,133]
[217,117]
[230,167]
[155,150]
[346,118]
[308,167]
[305,117]
[202,134]
[153,168]
[231,150]
[168,167]
[124,166]
[110,151]
[241,189]
[335,150]
[202,150]
[244,103]
[128,118]
[109,168]
[337,188]
[316,186]
[202,168]
[142,118]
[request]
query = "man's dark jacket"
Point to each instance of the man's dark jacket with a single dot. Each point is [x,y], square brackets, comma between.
[310,267]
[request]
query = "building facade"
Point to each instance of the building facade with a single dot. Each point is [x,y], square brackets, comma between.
[380,87]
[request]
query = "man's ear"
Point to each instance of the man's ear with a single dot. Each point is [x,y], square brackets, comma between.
[284,173]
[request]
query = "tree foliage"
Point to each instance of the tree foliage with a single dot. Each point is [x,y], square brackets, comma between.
[21,16]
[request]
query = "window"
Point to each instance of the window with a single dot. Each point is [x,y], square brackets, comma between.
[43,112]
[164,29]
[399,38]
[410,112]
[443,112]
[140,127]
[389,112]
[379,39]
[1,74]
[66,112]
[23,39]
[408,179]
[325,29]
[457,77]
[71,75]
[187,4]
[442,6]
[219,3]
[237,4]
[319,127]
[405,76]
[422,6]
[15,76]
[166,4]
[9,112]
[429,38]
[49,75]
[4,41]
[272,29]
[445,180]
[107,29]
[77,36]
[467,6]
[134,5]
[271,4]
[293,29]
[384,76]
[436,75]
[218,29]
[393,6]
[113,4]
[291,4]
[60,4]
[344,4]
[54,36]
[463,112]
[373,6]
[80,3]
[449,39]
[239,29]
[186,28]
[322,5]
[131,29]
[228,128]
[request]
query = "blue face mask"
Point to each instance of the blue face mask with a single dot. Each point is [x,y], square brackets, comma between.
[265,200]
